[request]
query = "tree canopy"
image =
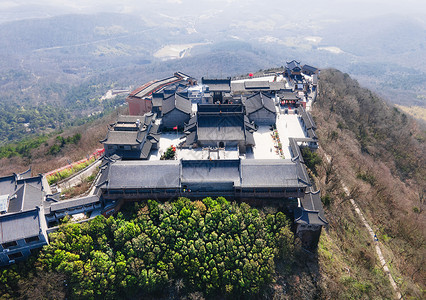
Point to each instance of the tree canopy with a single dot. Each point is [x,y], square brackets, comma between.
[212,246]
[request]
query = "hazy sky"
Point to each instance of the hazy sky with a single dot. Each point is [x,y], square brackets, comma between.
[20,9]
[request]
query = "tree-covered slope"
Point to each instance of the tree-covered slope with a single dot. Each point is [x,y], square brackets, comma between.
[378,152]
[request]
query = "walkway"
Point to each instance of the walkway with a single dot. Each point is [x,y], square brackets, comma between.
[79,177]
[288,126]
[265,146]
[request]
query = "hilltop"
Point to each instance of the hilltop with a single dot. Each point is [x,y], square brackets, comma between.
[377,152]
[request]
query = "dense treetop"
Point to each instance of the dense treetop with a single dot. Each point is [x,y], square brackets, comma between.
[212,246]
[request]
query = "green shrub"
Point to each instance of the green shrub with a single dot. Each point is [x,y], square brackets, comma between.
[22,148]
[312,159]
[63,174]
[169,154]
[367,177]
[326,199]
[60,142]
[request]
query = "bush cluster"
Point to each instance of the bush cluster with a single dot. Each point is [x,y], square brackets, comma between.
[60,142]
[169,154]
[54,178]
[22,148]
[312,159]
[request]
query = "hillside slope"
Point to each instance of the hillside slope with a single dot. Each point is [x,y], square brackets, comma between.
[379,153]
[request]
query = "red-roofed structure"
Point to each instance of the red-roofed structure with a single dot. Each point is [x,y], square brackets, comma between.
[140,99]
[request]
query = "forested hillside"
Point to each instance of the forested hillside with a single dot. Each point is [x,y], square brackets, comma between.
[379,153]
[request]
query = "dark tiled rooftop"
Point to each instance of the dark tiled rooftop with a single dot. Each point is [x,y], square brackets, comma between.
[19,226]
[144,174]
[259,101]
[269,173]
[177,101]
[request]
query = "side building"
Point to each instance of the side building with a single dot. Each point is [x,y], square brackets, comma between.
[309,127]
[22,223]
[220,126]
[140,100]
[176,111]
[132,137]
[260,109]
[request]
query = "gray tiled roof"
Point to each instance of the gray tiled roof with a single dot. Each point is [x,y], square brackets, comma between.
[295,150]
[220,128]
[238,87]
[19,226]
[192,124]
[302,173]
[104,170]
[248,124]
[302,216]
[64,204]
[307,119]
[7,185]
[191,138]
[249,138]
[312,134]
[154,137]
[25,175]
[154,129]
[177,101]
[144,174]
[148,117]
[256,84]
[276,85]
[309,68]
[312,211]
[24,194]
[33,196]
[288,96]
[210,109]
[146,149]
[217,85]
[15,202]
[122,138]
[250,86]
[269,173]
[258,101]
[211,171]
[129,119]
[147,135]
[157,101]
[293,64]
[220,122]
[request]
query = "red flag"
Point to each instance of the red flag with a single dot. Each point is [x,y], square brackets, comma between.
[175,128]
[251,74]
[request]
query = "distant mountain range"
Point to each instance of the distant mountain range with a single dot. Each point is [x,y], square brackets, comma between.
[42,59]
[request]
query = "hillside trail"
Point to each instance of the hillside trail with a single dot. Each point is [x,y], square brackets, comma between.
[376,242]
